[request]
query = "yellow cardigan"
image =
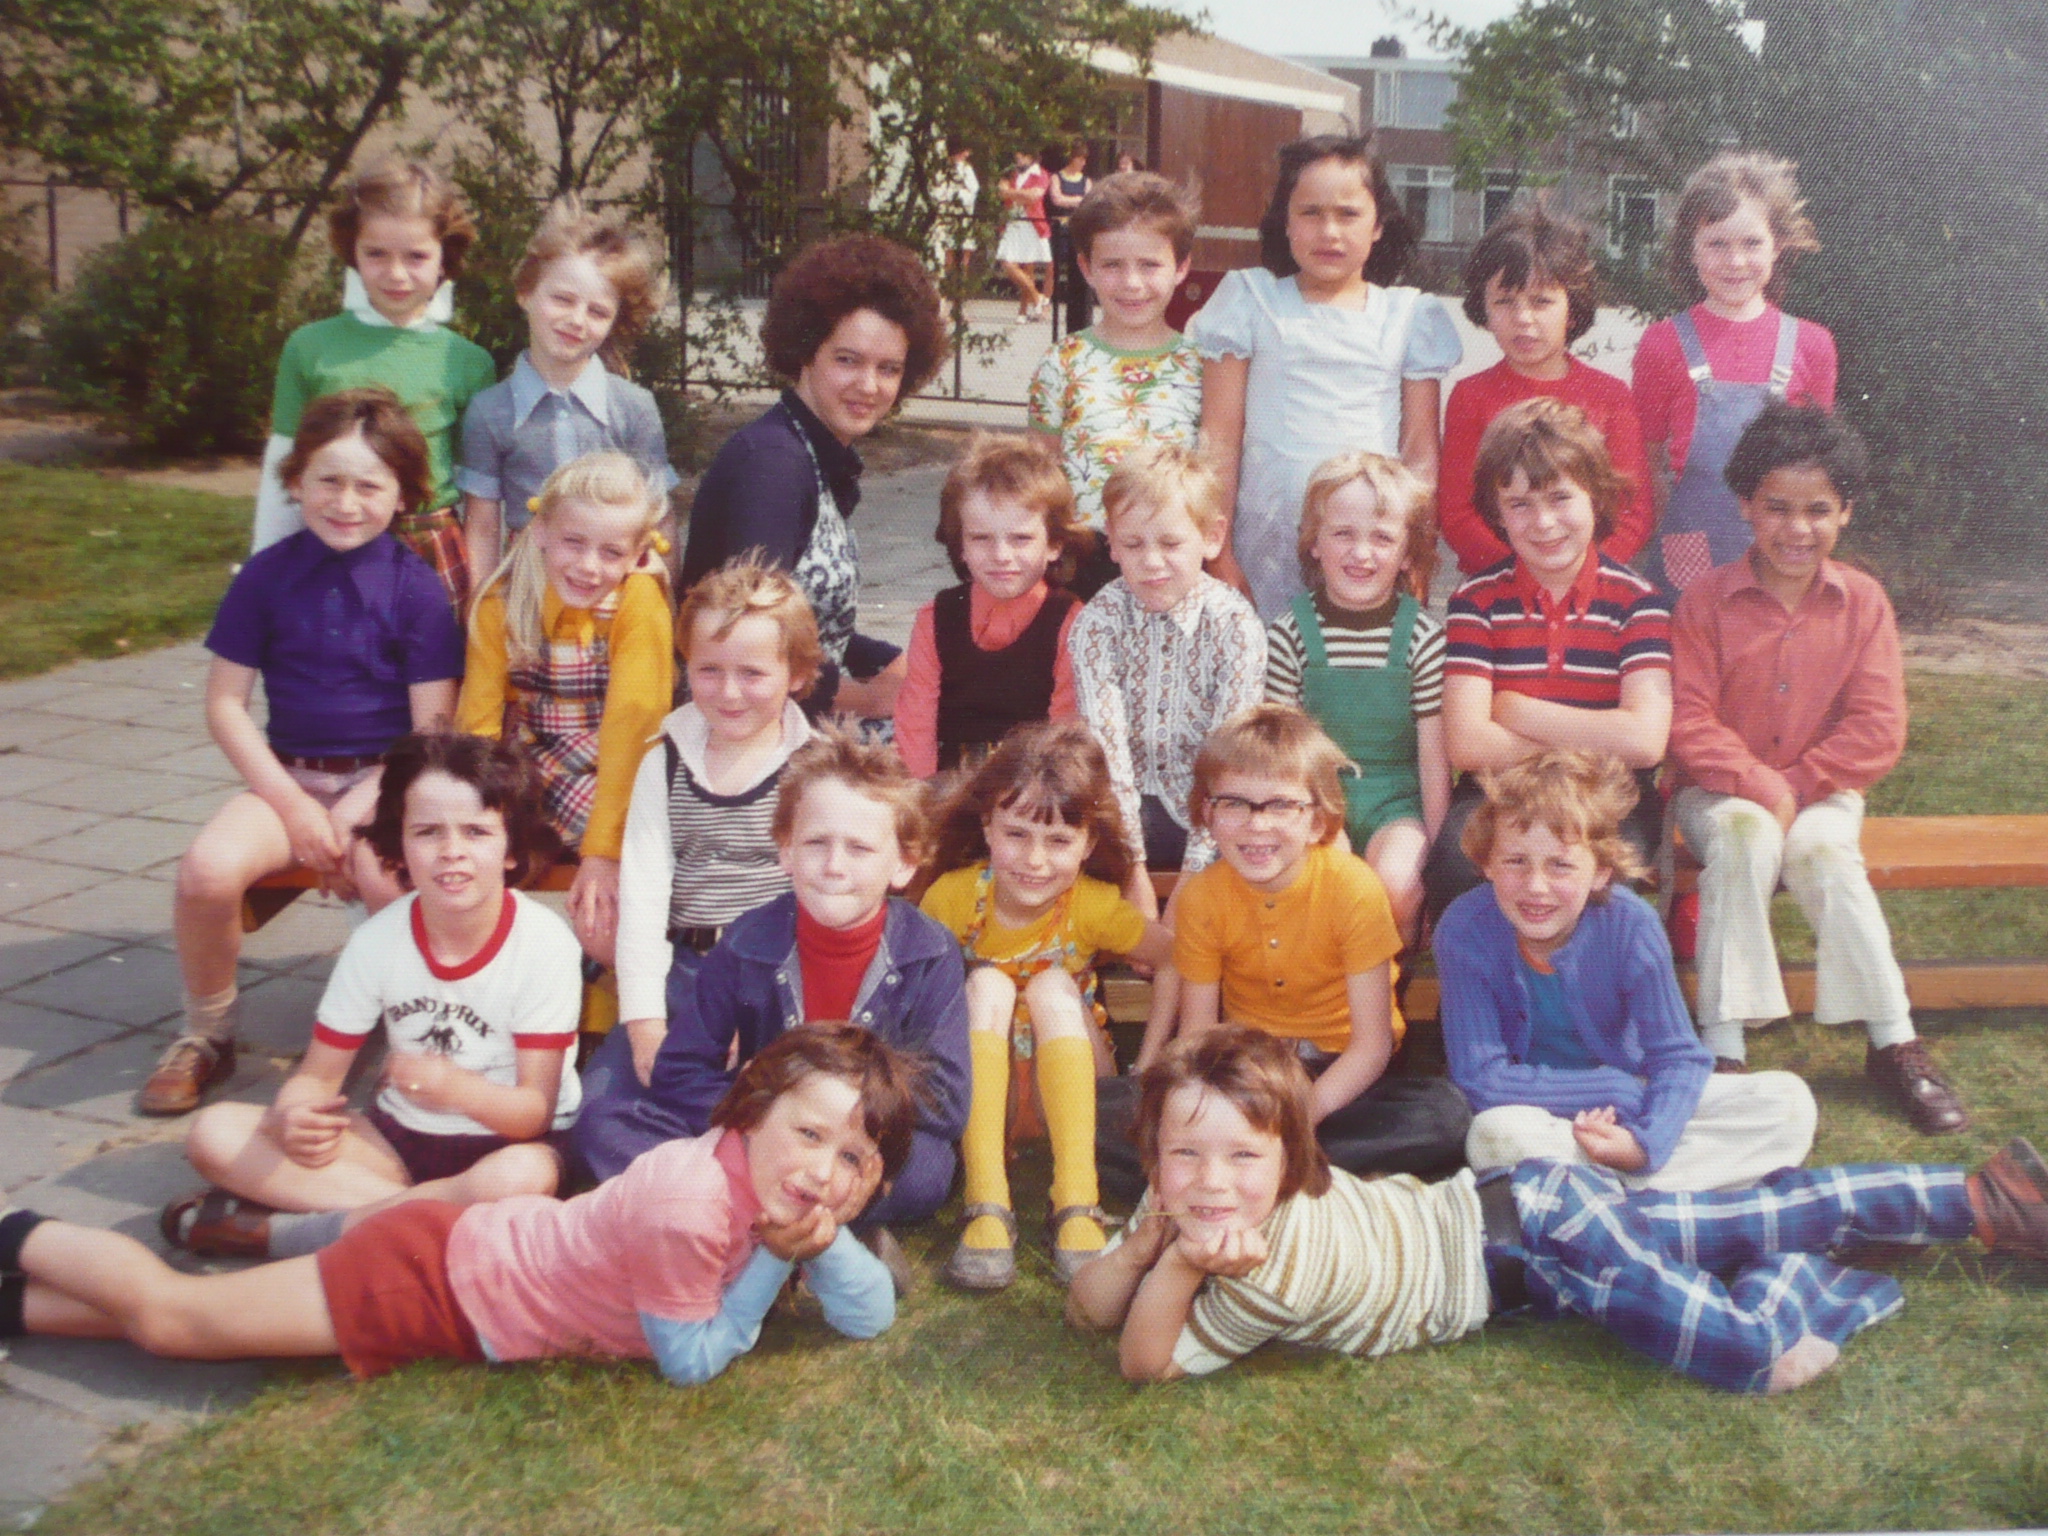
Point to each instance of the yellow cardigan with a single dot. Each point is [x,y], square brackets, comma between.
[640,638]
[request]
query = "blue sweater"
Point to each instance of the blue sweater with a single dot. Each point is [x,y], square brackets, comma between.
[1624,1001]
[751,987]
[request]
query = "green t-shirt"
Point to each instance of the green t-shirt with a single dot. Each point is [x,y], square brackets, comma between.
[431,369]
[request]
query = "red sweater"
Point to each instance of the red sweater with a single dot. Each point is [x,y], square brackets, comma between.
[1475,401]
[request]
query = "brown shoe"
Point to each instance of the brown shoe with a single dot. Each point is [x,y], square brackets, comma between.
[2010,1196]
[1730,1064]
[184,1073]
[1907,1073]
[217,1225]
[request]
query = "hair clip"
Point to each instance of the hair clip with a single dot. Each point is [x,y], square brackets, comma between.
[660,544]
[533,503]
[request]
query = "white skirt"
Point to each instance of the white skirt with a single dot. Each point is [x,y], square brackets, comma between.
[1023,244]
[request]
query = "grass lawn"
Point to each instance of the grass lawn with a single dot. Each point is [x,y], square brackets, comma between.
[986,1414]
[97,566]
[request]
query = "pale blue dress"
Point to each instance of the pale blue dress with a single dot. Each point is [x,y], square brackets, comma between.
[1323,381]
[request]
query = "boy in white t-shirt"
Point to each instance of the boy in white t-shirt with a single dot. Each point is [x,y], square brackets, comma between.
[478,989]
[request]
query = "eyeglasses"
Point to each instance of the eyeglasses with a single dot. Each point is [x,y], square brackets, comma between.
[1231,812]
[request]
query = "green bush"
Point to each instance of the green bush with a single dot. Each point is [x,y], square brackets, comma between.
[23,288]
[173,333]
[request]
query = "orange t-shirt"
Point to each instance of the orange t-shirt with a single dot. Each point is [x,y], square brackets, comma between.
[1284,959]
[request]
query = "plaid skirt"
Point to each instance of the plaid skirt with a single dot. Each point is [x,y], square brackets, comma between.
[557,706]
[436,537]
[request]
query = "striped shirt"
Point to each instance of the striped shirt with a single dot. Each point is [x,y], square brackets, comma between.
[1572,650]
[691,858]
[1357,640]
[1366,1269]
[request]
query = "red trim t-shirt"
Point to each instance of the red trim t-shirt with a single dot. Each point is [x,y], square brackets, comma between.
[522,991]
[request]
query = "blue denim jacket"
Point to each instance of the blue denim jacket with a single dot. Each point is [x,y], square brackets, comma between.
[750,988]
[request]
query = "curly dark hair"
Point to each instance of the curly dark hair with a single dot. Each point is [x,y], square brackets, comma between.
[1793,436]
[1390,253]
[503,780]
[830,280]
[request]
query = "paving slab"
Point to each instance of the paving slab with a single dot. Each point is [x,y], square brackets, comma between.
[22,771]
[194,810]
[129,987]
[32,727]
[120,845]
[35,1144]
[94,699]
[129,746]
[111,791]
[314,925]
[49,1449]
[22,823]
[29,953]
[31,882]
[124,906]
[96,1084]
[32,1038]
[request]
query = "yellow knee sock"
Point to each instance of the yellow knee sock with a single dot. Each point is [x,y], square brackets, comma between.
[981,1146]
[1066,1082]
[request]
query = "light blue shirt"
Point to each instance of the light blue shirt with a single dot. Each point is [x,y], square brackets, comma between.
[518,432]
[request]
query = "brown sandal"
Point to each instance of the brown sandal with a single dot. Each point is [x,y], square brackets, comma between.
[217,1225]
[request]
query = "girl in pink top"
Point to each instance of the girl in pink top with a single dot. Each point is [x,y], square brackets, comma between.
[676,1260]
[991,653]
[1704,374]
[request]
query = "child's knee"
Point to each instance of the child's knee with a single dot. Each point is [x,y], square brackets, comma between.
[526,1168]
[991,999]
[1746,836]
[1054,1000]
[218,1135]
[212,873]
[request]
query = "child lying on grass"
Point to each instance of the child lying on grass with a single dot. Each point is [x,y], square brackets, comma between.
[677,1260]
[1246,1235]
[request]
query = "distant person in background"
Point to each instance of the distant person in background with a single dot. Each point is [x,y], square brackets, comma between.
[1070,184]
[1126,161]
[955,189]
[1027,236]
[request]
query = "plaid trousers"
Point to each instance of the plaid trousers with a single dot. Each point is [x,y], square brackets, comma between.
[1720,1284]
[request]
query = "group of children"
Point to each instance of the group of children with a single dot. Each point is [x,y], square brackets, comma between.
[1189,650]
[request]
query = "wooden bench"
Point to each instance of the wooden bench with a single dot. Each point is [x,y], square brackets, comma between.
[1905,853]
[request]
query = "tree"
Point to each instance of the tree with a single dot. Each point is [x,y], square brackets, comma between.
[197,107]
[1917,126]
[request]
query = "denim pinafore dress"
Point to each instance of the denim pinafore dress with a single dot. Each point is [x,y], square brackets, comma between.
[1703,525]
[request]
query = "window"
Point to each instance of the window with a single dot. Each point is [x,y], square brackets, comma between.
[1406,98]
[1499,196]
[1631,217]
[1425,193]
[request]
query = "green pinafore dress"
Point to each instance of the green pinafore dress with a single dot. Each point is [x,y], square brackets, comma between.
[1369,714]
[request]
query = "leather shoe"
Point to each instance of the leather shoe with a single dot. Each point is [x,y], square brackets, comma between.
[1908,1074]
[2010,1194]
[184,1073]
[217,1225]
[1727,1065]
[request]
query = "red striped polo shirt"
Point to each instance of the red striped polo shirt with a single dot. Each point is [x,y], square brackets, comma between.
[1576,649]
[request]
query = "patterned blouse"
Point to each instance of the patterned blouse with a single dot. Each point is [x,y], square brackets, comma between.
[1152,686]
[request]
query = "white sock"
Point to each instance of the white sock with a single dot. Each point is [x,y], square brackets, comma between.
[294,1235]
[212,1018]
[1725,1039]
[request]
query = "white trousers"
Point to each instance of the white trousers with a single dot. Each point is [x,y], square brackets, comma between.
[1744,855]
[1746,1126]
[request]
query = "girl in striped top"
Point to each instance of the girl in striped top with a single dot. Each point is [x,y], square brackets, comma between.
[698,850]
[1358,653]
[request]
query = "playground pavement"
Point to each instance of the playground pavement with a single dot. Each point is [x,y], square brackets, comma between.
[106,771]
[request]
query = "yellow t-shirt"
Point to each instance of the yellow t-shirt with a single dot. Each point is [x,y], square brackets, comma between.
[1283,959]
[639,638]
[1098,919]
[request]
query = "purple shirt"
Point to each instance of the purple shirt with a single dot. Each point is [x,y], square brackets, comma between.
[339,636]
